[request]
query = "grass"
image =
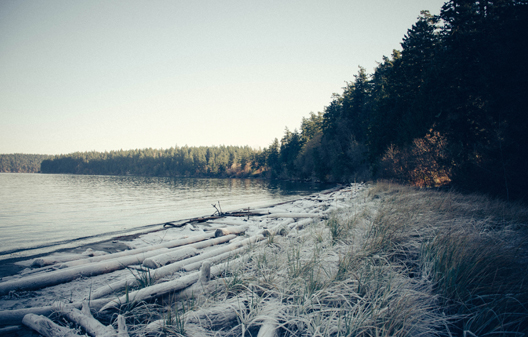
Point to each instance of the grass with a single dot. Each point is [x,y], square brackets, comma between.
[400,261]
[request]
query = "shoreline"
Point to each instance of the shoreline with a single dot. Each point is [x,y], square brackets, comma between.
[9,266]
[271,222]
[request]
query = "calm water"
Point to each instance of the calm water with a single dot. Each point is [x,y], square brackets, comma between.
[41,213]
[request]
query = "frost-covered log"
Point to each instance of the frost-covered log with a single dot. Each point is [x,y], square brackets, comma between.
[230,230]
[12,329]
[214,259]
[268,316]
[279,229]
[300,224]
[153,291]
[16,316]
[69,274]
[85,319]
[170,257]
[294,215]
[122,330]
[161,289]
[221,315]
[46,327]
[168,244]
[54,259]
[160,272]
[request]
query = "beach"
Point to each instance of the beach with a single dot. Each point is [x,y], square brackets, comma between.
[289,219]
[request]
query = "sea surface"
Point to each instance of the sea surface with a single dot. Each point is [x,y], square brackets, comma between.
[41,213]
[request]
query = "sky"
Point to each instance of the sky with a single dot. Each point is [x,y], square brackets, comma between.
[110,75]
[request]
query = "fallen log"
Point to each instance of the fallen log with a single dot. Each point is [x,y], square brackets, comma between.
[85,319]
[16,316]
[268,316]
[219,316]
[12,329]
[65,275]
[214,259]
[230,230]
[54,259]
[46,327]
[158,290]
[168,244]
[122,330]
[181,283]
[157,273]
[300,224]
[294,215]
[164,259]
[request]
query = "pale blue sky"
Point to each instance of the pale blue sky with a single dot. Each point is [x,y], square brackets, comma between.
[110,75]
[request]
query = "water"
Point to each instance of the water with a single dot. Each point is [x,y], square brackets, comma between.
[42,213]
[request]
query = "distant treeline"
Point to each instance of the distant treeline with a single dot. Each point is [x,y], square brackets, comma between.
[449,108]
[21,163]
[216,161]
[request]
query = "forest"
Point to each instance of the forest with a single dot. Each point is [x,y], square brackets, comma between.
[448,109]
[21,163]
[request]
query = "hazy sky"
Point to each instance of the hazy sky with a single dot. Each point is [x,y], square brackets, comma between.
[110,75]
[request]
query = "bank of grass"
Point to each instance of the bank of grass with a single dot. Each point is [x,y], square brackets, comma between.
[398,262]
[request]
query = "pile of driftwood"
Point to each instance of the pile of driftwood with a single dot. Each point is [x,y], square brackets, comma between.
[163,261]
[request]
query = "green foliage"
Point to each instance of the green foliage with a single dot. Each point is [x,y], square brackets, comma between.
[218,161]
[21,163]
[459,77]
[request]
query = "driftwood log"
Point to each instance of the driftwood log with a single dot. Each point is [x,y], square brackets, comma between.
[85,319]
[46,327]
[160,272]
[168,244]
[16,316]
[158,290]
[221,315]
[230,230]
[170,257]
[65,275]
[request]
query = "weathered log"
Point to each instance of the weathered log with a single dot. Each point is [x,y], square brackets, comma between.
[46,327]
[214,259]
[178,284]
[65,275]
[300,224]
[294,215]
[154,291]
[170,257]
[168,244]
[230,230]
[16,316]
[106,266]
[122,330]
[161,289]
[54,259]
[12,329]
[160,272]
[268,316]
[221,315]
[85,319]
